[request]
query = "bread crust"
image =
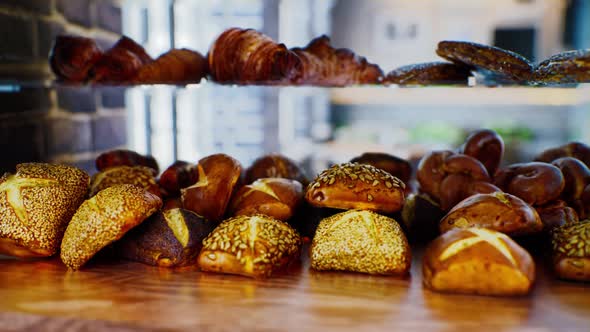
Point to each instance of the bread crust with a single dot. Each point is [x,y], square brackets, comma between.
[536,183]
[477,261]
[566,67]
[571,251]
[430,73]
[274,197]
[275,166]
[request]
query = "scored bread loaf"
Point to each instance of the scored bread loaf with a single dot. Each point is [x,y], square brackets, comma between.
[275,197]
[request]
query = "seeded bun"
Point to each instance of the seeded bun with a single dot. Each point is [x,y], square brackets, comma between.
[398,167]
[498,211]
[429,73]
[36,204]
[253,246]
[275,166]
[168,238]
[571,251]
[360,241]
[566,67]
[477,261]
[274,197]
[356,186]
[136,175]
[103,219]
[210,195]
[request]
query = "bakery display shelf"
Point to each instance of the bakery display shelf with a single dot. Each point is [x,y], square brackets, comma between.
[127,296]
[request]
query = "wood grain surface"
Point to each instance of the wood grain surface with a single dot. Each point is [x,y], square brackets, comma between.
[126,296]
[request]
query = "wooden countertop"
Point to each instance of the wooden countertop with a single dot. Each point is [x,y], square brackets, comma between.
[126,296]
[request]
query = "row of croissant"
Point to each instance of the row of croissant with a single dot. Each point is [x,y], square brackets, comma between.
[246,56]
[476,215]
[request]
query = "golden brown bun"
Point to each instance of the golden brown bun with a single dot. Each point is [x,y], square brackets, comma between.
[398,167]
[253,246]
[275,166]
[477,261]
[72,57]
[571,251]
[244,56]
[274,197]
[356,186]
[486,146]
[210,195]
[180,174]
[497,211]
[136,175]
[360,241]
[170,238]
[116,158]
[36,204]
[576,150]
[178,66]
[103,219]
[536,183]
[324,65]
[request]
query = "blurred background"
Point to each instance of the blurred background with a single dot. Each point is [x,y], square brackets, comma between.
[313,125]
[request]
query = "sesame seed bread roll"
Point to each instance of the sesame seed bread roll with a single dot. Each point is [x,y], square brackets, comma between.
[253,246]
[168,238]
[103,219]
[136,175]
[36,204]
[274,197]
[360,241]
[499,211]
[356,186]
[571,251]
[477,261]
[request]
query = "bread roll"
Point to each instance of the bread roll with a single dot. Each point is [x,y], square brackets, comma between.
[253,246]
[116,158]
[360,241]
[571,251]
[274,197]
[275,166]
[536,183]
[477,261]
[36,204]
[103,219]
[356,186]
[136,175]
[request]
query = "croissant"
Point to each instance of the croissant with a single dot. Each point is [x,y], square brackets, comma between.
[325,65]
[72,57]
[175,66]
[247,56]
[121,63]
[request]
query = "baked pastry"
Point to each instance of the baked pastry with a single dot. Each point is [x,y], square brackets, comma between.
[398,167]
[275,166]
[486,146]
[566,67]
[36,204]
[450,177]
[477,261]
[490,58]
[324,65]
[360,241]
[576,150]
[536,183]
[180,174]
[137,175]
[210,195]
[420,216]
[178,66]
[498,211]
[577,184]
[72,57]
[571,251]
[116,158]
[245,56]
[556,214]
[356,186]
[253,246]
[121,63]
[430,73]
[103,219]
[274,197]
[168,238]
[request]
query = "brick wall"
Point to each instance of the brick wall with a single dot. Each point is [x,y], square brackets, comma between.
[47,122]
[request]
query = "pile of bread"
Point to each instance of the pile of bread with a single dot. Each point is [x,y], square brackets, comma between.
[246,56]
[225,219]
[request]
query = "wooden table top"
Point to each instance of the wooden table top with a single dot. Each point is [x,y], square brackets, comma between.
[127,296]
